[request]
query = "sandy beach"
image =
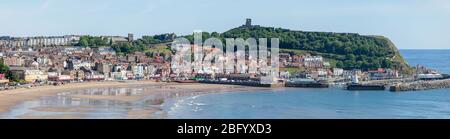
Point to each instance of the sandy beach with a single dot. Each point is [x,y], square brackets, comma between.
[160,92]
[9,98]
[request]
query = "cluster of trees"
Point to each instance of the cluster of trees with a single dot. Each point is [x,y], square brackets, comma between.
[348,49]
[93,42]
[4,69]
[161,38]
[143,44]
[126,48]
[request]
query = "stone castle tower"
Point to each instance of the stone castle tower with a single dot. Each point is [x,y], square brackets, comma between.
[248,22]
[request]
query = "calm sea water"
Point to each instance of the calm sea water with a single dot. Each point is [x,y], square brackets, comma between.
[283,103]
[436,59]
[324,103]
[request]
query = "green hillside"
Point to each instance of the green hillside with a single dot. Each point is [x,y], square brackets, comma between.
[346,50]
[342,50]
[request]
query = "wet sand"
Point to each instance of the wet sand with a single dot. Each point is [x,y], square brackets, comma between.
[66,116]
[145,114]
[10,98]
[163,91]
[61,109]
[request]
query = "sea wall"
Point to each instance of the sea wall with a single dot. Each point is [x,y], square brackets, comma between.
[257,84]
[421,85]
[253,84]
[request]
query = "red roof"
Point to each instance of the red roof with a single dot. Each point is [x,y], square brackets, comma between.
[380,70]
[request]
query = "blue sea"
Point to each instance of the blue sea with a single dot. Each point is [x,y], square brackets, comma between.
[435,59]
[334,103]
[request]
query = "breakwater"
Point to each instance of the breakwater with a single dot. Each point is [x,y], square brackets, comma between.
[421,85]
[307,85]
[388,82]
[258,84]
[252,84]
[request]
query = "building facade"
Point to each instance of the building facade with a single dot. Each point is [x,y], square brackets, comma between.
[39,41]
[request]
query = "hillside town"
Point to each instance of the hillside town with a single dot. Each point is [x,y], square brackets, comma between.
[55,65]
[48,60]
[56,60]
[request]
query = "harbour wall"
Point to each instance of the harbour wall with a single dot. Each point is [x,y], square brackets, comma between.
[421,85]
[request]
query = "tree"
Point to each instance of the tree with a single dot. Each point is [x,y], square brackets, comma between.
[350,57]
[12,76]
[90,41]
[127,48]
[3,68]
[84,42]
[387,63]
[348,50]
[343,47]
[339,64]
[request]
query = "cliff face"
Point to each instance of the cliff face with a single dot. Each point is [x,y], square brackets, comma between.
[345,50]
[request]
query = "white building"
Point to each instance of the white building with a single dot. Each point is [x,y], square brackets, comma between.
[39,41]
[338,72]
[138,71]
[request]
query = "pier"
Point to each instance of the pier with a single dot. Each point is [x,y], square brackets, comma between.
[421,85]
[307,85]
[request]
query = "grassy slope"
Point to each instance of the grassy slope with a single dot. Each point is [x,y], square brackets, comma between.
[160,48]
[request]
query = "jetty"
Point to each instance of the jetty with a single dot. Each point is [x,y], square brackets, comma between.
[421,85]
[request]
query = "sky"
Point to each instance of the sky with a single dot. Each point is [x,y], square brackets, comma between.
[410,24]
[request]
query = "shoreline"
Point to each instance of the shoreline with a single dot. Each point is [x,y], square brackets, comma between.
[163,91]
[160,93]
[11,98]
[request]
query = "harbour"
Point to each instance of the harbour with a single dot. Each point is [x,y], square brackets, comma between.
[236,100]
[312,103]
